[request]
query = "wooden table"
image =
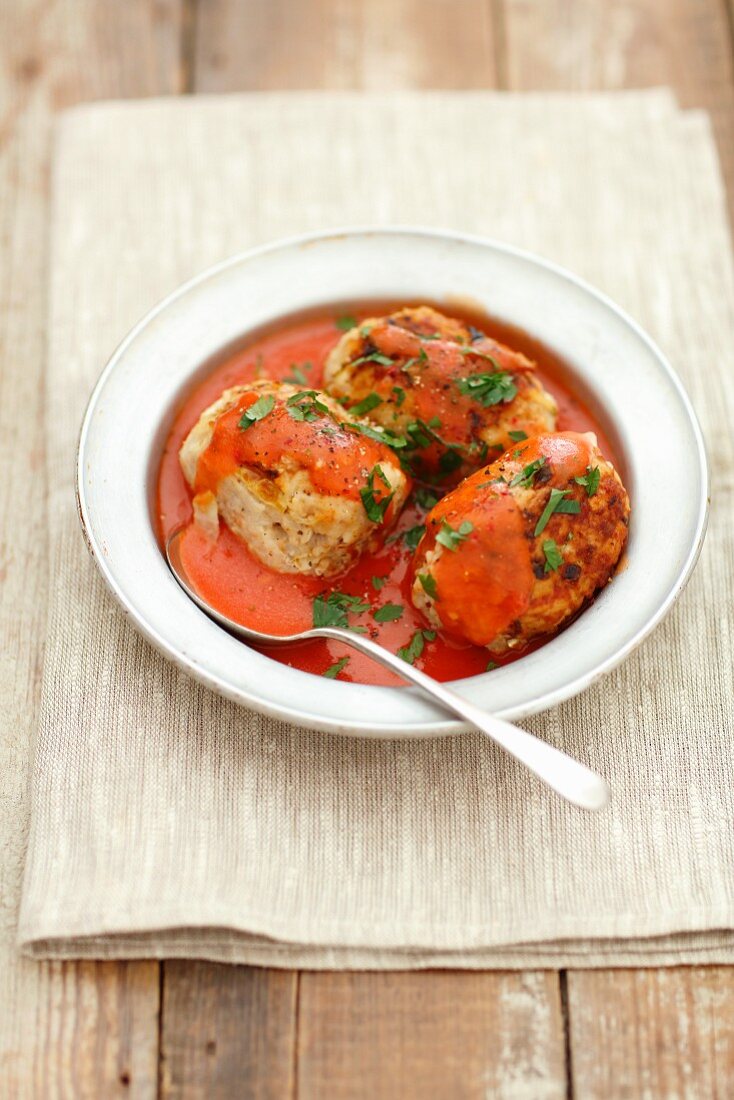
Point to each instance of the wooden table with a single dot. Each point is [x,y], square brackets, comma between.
[192,1029]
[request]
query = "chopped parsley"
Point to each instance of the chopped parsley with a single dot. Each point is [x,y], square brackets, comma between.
[306,406]
[412,651]
[491,665]
[373,357]
[469,349]
[422,434]
[380,435]
[399,395]
[518,436]
[428,584]
[371,401]
[389,613]
[297,374]
[335,609]
[480,449]
[374,507]
[553,556]
[333,671]
[378,583]
[556,503]
[413,536]
[420,359]
[490,388]
[426,498]
[527,475]
[346,322]
[256,411]
[449,461]
[590,480]
[451,538]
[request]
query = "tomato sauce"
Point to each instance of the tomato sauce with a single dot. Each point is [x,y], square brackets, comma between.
[229,577]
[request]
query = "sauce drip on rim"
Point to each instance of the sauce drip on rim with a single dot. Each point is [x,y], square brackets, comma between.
[230,578]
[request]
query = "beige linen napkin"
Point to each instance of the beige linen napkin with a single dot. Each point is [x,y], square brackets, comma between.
[166,821]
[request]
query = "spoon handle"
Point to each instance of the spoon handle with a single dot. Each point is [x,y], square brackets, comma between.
[568,777]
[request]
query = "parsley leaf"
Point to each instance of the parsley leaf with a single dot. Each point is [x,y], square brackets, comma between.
[345,323]
[332,672]
[518,436]
[426,498]
[452,539]
[421,434]
[412,651]
[399,395]
[471,349]
[428,584]
[413,536]
[526,476]
[306,406]
[297,374]
[481,449]
[371,401]
[389,613]
[590,480]
[256,411]
[449,461]
[335,609]
[556,503]
[373,357]
[374,507]
[553,556]
[378,583]
[490,388]
[491,665]
[380,435]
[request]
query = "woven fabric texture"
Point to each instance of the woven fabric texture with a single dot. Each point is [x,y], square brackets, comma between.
[167,821]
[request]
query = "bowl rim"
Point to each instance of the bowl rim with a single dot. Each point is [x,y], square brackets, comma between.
[359,727]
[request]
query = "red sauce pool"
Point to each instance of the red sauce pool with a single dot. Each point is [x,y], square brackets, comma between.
[235,582]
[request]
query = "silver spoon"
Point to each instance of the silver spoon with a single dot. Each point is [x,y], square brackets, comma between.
[569,778]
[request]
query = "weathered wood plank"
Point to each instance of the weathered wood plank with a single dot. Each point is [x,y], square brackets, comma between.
[380,45]
[431,1034]
[577,44]
[227,1031]
[73,1029]
[638,1033]
[100,1024]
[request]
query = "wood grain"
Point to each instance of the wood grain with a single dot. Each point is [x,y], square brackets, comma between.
[381,45]
[433,1034]
[583,45]
[652,1033]
[100,1030]
[77,1029]
[227,1031]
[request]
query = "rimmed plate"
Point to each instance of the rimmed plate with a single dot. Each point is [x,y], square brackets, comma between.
[614,364]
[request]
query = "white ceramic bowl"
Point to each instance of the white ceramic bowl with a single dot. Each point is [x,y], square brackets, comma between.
[614,365]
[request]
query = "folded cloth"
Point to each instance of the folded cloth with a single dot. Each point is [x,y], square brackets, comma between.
[168,821]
